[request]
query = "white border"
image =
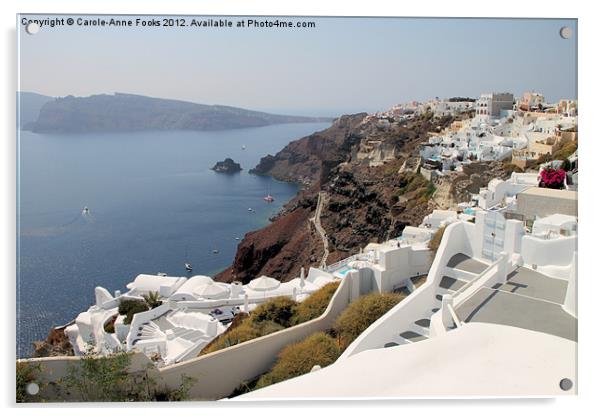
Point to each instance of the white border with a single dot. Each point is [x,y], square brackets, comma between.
[590,389]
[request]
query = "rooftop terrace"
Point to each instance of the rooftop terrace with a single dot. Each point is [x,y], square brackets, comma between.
[528,300]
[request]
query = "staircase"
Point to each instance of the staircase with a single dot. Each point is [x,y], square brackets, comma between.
[459,271]
[418,331]
[149,330]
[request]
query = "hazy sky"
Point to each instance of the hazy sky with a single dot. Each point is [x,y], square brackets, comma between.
[343,65]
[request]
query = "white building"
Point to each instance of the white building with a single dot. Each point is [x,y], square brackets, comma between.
[531,100]
[193,312]
[492,105]
[499,193]
[496,317]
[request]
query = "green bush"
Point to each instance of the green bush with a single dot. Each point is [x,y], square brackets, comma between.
[279,310]
[297,359]
[26,373]
[130,307]
[415,188]
[108,379]
[361,313]
[125,305]
[315,304]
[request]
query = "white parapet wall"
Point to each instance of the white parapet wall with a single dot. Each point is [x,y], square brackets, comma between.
[455,240]
[218,373]
[400,264]
[554,253]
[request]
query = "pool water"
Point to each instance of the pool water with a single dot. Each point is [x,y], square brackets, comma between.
[344,270]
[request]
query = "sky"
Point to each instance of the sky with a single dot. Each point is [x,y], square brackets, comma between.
[343,65]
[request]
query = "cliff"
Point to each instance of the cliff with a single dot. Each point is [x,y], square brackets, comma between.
[29,105]
[310,159]
[129,112]
[358,163]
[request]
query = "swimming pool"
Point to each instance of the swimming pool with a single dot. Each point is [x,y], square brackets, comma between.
[343,270]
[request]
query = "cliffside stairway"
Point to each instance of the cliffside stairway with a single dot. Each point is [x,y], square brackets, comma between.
[459,271]
[418,331]
[315,220]
[159,327]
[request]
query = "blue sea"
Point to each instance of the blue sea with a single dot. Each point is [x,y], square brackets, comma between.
[153,202]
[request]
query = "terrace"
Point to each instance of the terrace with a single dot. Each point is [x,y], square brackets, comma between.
[528,300]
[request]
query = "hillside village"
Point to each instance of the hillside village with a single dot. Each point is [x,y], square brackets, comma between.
[466,209]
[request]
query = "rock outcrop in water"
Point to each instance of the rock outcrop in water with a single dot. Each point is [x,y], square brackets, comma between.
[227,166]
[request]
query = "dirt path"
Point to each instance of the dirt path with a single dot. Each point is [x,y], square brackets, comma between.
[318,225]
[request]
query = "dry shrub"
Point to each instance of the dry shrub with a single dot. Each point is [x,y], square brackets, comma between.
[297,359]
[361,313]
[315,304]
[279,310]
[436,240]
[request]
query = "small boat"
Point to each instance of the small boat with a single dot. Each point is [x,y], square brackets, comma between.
[86,211]
[215,251]
[244,147]
[188,267]
[237,238]
[268,198]
[251,210]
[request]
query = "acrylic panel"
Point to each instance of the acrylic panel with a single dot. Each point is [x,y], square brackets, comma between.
[286,207]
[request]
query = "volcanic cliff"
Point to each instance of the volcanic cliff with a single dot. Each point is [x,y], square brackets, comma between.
[370,195]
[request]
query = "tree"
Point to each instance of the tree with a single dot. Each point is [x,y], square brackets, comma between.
[152,299]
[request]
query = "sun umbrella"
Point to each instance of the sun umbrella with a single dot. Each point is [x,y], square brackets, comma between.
[264,284]
[211,291]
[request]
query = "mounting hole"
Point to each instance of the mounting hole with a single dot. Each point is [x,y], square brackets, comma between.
[566,384]
[32,389]
[566,32]
[32,28]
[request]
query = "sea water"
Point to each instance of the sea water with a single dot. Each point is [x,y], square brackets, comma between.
[154,204]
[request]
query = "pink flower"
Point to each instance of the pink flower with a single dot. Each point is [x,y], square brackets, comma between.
[552,178]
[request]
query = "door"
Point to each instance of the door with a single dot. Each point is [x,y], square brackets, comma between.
[493,235]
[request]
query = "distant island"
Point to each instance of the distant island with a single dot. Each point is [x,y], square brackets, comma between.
[128,112]
[29,105]
[227,166]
